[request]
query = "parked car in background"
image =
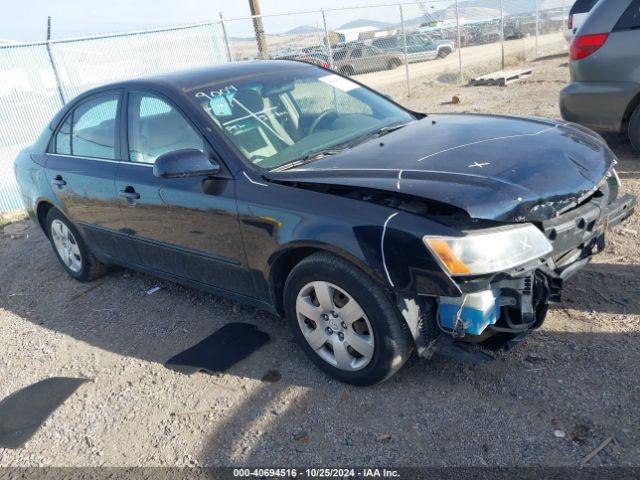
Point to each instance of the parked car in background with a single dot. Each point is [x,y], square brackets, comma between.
[419,47]
[358,58]
[313,58]
[604,93]
[577,15]
[375,230]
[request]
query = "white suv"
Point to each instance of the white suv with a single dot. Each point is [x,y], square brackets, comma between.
[577,16]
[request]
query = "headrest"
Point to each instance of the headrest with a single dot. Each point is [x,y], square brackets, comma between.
[251,99]
[162,130]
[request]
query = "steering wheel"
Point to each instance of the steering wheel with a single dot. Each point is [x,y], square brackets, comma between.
[322,116]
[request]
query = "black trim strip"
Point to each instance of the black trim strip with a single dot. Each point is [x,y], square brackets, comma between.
[156,243]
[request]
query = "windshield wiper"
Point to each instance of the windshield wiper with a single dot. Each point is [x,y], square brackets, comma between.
[308,158]
[390,128]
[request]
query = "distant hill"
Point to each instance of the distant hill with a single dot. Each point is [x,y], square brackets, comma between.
[304,29]
[362,22]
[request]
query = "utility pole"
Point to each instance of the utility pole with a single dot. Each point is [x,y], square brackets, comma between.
[263,51]
[48,28]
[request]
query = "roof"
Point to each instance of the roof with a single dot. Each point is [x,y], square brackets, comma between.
[185,80]
[188,79]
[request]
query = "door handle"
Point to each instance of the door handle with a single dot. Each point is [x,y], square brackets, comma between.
[130,195]
[59,181]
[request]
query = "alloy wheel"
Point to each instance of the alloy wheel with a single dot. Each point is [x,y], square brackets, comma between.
[335,326]
[66,246]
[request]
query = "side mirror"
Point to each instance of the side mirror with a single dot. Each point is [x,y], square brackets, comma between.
[184,163]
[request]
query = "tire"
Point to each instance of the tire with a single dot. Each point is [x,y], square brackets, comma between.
[444,52]
[634,129]
[393,63]
[347,71]
[76,258]
[388,341]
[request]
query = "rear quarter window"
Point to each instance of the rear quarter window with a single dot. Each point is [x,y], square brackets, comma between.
[630,19]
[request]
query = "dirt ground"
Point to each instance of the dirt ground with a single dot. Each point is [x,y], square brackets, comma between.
[549,402]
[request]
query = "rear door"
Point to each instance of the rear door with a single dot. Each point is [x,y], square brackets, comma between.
[81,167]
[186,227]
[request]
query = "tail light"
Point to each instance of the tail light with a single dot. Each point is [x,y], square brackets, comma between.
[324,65]
[570,23]
[584,45]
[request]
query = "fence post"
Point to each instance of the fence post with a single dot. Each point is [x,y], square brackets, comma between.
[537,26]
[459,43]
[226,38]
[56,74]
[404,48]
[502,31]
[326,39]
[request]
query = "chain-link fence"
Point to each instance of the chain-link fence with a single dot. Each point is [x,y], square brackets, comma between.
[37,79]
[394,48]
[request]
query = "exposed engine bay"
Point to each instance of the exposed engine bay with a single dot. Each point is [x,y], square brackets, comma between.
[500,310]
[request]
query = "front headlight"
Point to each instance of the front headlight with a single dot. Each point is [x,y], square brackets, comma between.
[488,251]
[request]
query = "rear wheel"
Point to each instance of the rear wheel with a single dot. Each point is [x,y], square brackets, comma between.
[347,71]
[71,250]
[346,323]
[634,129]
[393,63]
[443,52]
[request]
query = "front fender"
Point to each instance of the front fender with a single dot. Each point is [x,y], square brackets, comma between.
[386,243]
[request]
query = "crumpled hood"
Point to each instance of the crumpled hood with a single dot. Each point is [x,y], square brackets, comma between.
[495,168]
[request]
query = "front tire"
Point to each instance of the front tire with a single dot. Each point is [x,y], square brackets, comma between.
[345,322]
[634,129]
[70,248]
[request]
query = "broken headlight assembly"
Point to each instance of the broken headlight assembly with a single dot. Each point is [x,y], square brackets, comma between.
[489,250]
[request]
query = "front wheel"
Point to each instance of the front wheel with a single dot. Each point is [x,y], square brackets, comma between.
[345,322]
[634,129]
[71,250]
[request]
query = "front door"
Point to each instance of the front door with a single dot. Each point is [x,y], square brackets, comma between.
[81,168]
[186,227]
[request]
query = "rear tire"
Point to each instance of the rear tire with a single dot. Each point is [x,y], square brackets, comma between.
[347,71]
[379,322]
[444,52]
[634,129]
[71,250]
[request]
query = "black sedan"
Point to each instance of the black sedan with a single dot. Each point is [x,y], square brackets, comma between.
[376,231]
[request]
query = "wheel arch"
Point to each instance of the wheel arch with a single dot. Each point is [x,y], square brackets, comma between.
[285,259]
[633,104]
[42,210]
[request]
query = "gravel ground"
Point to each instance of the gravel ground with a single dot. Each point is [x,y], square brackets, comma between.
[576,377]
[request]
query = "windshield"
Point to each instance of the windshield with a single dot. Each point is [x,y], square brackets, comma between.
[276,119]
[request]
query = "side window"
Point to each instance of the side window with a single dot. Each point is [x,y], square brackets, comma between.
[630,19]
[90,130]
[356,53]
[155,127]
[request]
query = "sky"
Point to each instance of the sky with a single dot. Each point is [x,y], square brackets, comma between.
[26,20]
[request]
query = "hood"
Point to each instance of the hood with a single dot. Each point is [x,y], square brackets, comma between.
[497,168]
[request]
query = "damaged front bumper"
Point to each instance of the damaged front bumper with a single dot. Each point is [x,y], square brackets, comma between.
[498,311]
